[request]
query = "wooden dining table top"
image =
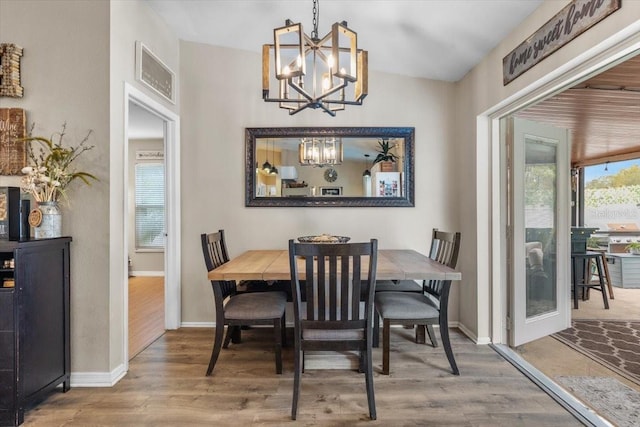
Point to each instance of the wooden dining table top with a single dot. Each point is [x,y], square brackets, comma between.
[273,264]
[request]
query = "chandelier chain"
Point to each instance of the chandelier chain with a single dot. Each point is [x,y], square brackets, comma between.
[314,34]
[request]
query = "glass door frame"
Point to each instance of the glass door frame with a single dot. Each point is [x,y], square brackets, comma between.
[524,326]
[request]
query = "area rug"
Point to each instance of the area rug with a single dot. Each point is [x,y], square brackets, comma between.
[612,343]
[607,396]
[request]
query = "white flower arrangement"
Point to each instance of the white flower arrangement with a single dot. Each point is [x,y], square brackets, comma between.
[51,172]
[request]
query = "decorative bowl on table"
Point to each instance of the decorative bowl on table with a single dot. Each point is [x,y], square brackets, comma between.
[324,238]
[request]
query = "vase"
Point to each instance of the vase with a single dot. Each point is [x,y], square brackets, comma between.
[51,224]
[387,166]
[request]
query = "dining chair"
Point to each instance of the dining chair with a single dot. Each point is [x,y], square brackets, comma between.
[331,317]
[423,309]
[235,310]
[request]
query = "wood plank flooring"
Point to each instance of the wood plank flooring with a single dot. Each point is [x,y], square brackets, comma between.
[166,386]
[146,312]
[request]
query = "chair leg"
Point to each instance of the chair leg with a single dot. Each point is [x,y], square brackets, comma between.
[228,337]
[236,337]
[420,334]
[217,345]
[607,276]
[283,324]
[446,343]
[297,372]
[575,284]
[371,398]
[277,332]
[432,335]
[386,326]
[601,280]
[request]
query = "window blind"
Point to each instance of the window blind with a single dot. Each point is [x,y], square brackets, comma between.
[149,201]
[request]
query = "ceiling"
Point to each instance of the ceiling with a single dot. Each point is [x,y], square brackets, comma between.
[602,112]
[439,40]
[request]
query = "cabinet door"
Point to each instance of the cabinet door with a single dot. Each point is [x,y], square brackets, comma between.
[42,272]
[7,359]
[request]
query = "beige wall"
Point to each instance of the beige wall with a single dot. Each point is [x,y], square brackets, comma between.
[68,76]
[65,78]
[131,21]
[221,97]
[481,89]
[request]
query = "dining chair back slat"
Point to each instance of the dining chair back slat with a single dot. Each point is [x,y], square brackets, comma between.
[357,285]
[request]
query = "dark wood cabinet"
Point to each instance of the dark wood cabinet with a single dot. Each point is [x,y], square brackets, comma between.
[34,323]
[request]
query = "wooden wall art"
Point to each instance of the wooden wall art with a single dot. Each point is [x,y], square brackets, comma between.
[13,153]
[154,73]
[10,55]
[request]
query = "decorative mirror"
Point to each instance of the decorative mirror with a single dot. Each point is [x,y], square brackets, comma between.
[332,166]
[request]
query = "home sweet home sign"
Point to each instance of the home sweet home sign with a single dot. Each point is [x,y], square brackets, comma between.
[573,20]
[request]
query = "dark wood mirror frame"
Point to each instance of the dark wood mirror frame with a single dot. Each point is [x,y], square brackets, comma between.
[406,133]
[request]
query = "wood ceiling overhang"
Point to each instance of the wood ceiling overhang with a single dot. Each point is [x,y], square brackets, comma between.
[603,114]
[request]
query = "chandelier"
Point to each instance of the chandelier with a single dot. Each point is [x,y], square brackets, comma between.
[320,151]
[310,72]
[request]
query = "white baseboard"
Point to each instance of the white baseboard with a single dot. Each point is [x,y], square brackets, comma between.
[147,273]
[472,336]
[97,379]
[198,324]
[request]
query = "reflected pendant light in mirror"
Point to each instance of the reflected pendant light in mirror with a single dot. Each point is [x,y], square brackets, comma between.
[274,169]
[266,166]
[366,178]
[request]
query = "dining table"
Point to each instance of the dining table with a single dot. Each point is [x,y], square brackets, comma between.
[273,264]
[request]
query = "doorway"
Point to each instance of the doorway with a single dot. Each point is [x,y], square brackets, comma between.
[607,105]
[137,100]
[146,219]
[617,49]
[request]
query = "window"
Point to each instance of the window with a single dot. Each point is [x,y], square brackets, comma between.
[149,195]
[611,195]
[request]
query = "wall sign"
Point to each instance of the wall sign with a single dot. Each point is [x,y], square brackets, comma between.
[10,55]
[151,71]
[13,153]
[331,191]
[149,155]
[573,20]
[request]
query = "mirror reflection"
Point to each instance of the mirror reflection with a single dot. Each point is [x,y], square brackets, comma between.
[329,166]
